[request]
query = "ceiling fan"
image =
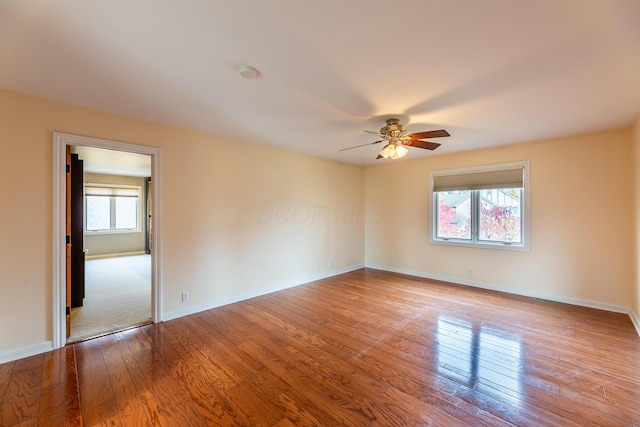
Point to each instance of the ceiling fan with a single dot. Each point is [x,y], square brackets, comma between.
[397,137]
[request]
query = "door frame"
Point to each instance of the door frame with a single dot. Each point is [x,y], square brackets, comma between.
[60,143]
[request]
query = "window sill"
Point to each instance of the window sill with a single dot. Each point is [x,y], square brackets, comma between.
[106,232]
[518,247]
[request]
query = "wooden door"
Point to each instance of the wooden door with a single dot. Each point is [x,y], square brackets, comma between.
[148,202]
[68,245]
[77,232]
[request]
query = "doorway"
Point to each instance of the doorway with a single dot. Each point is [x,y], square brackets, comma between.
[110,257]
[60,307]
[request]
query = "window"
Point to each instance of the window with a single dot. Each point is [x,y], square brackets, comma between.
[484,206]
[112,208]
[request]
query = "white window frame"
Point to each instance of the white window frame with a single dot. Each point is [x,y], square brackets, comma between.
[524,246]
[113,230]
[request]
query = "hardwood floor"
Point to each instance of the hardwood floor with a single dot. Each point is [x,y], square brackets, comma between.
[366,348]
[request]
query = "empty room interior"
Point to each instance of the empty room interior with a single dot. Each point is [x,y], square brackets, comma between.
[320,213]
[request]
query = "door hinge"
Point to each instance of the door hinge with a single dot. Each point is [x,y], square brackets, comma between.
[68,168]
[68,311]
[68,240]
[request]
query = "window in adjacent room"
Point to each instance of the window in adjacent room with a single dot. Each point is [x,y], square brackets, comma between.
[112,208]
[484,206]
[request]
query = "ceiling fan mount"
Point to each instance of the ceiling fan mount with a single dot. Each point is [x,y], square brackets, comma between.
[393,129]
[395,134]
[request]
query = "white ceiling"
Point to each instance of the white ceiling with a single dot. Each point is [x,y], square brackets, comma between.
[98,160]
[490,72]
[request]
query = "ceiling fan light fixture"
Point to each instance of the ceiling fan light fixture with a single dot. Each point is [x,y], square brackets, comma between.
[397,138]
[400,151]
[387,151]
[393,151]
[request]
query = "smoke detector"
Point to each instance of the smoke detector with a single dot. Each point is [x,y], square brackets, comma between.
[248,72]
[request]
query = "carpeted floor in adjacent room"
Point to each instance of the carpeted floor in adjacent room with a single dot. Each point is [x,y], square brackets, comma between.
[117,296]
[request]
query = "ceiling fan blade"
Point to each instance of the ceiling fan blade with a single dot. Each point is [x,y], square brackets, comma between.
[379,157]
[429,134]
[363,145]
[422,144]
[370,131]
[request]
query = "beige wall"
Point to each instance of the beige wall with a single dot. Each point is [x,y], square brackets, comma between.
[582,229]
[116,243]
[237,218]
[240,218]
[636,162]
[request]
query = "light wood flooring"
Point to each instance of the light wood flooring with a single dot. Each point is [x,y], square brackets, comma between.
[366,348]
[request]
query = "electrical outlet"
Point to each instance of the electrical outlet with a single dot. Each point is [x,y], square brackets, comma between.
[330,264]
[317,267]
[185,296]
[470,272]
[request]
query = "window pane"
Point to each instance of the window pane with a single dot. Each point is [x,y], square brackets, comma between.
[454,214]
[500,215]
[98,213]
[126,213]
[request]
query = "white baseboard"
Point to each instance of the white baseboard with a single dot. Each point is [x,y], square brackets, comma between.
[237,298]
[635,320]
[21,353]
[548,297]
[46,346]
